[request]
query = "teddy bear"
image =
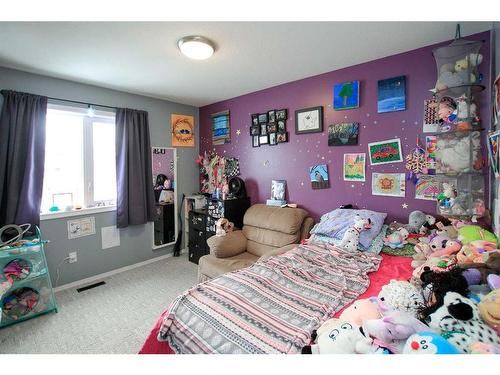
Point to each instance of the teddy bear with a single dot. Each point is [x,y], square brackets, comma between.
[453,75]
[338,337]
[458,321]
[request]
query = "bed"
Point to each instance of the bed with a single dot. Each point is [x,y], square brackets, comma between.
[325,267]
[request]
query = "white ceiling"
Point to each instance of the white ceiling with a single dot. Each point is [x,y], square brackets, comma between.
[143,58]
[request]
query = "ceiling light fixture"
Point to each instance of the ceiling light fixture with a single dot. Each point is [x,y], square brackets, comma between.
[196,47]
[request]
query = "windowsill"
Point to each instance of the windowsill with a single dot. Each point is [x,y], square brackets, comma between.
[81,212]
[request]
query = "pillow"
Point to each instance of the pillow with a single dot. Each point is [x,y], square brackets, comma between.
[335,224]
[375,247]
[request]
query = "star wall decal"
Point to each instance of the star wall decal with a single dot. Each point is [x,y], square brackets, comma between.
[238,132]
[404,205]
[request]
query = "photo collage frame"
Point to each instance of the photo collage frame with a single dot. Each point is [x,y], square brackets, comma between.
[269,128]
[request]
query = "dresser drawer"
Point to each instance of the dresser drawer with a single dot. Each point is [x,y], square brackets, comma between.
[196,221]
[197,237]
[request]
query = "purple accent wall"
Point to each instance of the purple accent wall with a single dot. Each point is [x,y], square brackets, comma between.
[291,161]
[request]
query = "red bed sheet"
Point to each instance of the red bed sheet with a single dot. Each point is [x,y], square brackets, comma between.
[392,267]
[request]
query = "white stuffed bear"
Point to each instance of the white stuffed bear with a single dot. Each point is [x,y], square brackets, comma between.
[338,337]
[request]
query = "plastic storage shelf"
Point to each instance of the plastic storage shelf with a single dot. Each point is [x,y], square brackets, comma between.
[31,293]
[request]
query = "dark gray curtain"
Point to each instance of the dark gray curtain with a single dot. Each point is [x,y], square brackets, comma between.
[22,157]
[135,196]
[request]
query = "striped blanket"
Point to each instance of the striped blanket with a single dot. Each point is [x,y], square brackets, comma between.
[270,307]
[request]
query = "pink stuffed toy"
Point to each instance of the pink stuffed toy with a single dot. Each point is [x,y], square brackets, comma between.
[361,310]
[393,329]
[476,251]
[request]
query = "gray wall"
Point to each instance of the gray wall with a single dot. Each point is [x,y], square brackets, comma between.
[136,241]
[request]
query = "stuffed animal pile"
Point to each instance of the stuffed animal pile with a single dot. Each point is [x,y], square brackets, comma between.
[450,306]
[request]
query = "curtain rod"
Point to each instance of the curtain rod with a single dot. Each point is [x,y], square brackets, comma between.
[78,102]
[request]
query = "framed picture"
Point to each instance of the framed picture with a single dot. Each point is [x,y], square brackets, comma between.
[272,128]
[427,188]
[221,129]
[281,126]
[278,188]
[263,129]
[255,141]
[346,95]
[318,175]
[255,130]
[271,115]
[282,137]
[354,167]
[263,140]
[281,114]
[273,140]
[345,134]
[385,152]
[255,119]
[182,130]
[391,95]
[309,120]
[262,118]
[389,184]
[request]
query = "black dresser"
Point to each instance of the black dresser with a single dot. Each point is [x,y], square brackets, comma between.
[164,225]
[202,223]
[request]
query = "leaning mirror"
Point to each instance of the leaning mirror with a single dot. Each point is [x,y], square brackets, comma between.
[164,163]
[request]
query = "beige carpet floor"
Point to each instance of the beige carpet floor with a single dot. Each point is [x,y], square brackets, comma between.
[111,319]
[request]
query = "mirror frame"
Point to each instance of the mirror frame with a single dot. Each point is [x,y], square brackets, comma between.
[176,214]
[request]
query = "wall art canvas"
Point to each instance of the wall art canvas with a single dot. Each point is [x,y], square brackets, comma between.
[391,95]
[354,167]
[318,175]
[221,129]
[182,130]
[389,184]
[309,120]
[385,152]
[345,134]
[427,188]
[431,118]
[346,95]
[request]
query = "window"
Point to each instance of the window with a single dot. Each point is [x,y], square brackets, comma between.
[79,158]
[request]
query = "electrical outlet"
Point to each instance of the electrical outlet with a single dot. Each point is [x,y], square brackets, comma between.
[72,257]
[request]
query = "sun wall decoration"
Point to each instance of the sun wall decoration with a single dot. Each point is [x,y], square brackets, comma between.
[182,130]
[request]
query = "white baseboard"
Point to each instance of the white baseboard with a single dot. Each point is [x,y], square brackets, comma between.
[91,279]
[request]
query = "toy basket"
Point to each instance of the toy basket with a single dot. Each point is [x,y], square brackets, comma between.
[457,66]
[461,196]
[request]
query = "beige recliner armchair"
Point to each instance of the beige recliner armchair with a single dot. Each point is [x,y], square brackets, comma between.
[267,231]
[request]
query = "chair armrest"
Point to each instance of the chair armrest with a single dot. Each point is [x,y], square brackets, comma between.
[231,244]
[305,230]
[278,251]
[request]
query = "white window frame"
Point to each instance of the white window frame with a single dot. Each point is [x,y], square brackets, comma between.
[90,205]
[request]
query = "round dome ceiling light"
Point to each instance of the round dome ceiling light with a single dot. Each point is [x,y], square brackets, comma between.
[196,47]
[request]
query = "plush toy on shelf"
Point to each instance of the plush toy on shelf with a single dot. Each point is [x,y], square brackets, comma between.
[350,240]
[453,75]
[338,337]
[428,343]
